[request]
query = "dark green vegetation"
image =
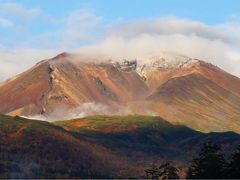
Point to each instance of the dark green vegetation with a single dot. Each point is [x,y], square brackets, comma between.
[234,165]
[98,146]
[210,163]
[36,149]
[165,171]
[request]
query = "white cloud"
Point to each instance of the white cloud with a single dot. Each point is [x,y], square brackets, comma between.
[145,46]
[168,26]
[14,9]
[82,29]
[5,23]
[15,61]
[63,112]
[75,29]
[80,25]
[142,39]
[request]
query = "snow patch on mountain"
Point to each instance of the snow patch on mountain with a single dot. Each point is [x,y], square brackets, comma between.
[164,61]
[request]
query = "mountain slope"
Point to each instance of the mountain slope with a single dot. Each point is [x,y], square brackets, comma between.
[210,106]
[159,70]
[59,82]
[145,134]
[178,88]
[37,149]
[24,92]
[97,146]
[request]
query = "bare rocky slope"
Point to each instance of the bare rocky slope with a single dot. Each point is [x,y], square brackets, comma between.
[178,88]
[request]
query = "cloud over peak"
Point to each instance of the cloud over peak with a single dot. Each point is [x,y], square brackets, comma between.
[83,31]
[169,26]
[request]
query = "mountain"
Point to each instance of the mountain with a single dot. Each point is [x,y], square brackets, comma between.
[180,89]
[209,105]
[38,149]
[195,93]
[98,146]
[62,82]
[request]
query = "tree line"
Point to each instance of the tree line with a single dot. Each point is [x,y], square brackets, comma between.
[209,164]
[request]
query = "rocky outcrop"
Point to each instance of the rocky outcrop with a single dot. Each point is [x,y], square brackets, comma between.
[127,65]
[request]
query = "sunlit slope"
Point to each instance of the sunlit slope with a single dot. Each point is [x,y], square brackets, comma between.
[61,83]
[37,149]
[180,89]
[97,146]
[144,134]
[24,93]
[197,102]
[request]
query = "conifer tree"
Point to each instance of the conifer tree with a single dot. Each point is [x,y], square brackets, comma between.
[152,172]
[165,171]
[234,165]
[210,164]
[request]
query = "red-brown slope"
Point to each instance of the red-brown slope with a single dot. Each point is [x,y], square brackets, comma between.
[62,82]
[25,90]
[220,77]
[197,102]
[156,77]
[199,95]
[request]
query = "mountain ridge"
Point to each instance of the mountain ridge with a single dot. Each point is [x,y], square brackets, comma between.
[65,83]
[98,146]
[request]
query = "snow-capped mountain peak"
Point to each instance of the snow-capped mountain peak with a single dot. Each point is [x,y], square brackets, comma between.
[168,60]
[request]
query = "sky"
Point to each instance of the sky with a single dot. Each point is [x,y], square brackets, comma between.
[32,30]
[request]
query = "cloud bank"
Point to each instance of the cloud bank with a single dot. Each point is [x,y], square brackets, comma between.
[82,31]
[89,109]
[146,38]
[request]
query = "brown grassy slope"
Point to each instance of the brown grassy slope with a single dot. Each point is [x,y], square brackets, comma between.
[97,146]
[155,78]
[25,90]
[197,102]
[37,149]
